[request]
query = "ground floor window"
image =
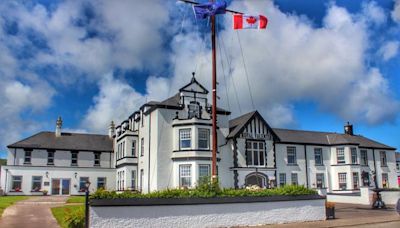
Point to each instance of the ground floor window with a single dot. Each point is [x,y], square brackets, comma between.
[295,179]
[82,183]
[133,180]
[101,182]
[342,181]
[320,180]
[185,175]
[36,183]
[356,184]
[16,183]
[282,179]
[204,171]
[385,182]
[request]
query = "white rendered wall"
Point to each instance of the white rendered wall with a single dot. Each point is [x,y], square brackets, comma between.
[208,215]
[56,172]
[390,197]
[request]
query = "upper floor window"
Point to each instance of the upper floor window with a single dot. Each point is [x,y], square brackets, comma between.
[398,165]
[141,146]
[134,148]
[320,180]
[185,138]
[194,110]
[340,155]
[291,155]
[318,156]
[185,175]
[74,158]
[364,157]
[28,156]
[204,138]
[50,157]
[255,153]
[97,159]
[353,155]
[295,179]
[383,158]
[342,181]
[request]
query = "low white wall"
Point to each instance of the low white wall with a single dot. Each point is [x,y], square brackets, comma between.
[365,197]
[208,215]
[390,197]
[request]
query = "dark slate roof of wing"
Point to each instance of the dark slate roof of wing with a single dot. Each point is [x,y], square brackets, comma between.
[327,138]
[67,141]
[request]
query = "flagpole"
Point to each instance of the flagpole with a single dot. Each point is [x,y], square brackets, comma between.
[214,177]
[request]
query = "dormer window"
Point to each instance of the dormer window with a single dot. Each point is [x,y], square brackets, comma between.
[194,110]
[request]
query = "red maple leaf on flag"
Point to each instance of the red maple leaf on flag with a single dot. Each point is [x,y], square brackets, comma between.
[251,20]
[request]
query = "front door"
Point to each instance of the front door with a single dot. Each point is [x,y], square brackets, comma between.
[60,186]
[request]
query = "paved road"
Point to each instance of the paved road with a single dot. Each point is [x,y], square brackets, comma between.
[33,213]
[351,215]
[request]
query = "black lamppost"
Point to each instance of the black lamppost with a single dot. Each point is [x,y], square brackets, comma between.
[87,185]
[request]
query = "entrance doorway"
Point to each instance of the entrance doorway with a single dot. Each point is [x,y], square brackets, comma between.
[60,186]
[258,179]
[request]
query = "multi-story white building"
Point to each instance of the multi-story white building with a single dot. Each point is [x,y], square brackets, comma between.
[168,145]
[60,163]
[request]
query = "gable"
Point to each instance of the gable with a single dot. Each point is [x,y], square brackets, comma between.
[194,86]
[251,126]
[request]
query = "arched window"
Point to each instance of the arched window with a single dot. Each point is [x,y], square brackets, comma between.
[258,179]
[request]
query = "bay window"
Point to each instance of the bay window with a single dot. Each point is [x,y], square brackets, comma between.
[185,138]
[185,175]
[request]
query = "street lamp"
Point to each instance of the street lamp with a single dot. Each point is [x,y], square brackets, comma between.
[87,185]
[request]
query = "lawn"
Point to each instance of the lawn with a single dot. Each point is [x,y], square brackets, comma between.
[60,213]
[6,201]
[76,199]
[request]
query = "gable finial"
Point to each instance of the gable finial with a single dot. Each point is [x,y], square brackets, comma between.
[193,78]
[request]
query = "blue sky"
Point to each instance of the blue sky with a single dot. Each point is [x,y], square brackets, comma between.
[318,64]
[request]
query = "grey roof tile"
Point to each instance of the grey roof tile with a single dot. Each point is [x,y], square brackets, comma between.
[67,141]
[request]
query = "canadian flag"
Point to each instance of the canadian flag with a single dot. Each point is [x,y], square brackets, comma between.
[241,21]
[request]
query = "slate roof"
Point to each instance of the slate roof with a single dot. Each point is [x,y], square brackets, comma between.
[67,141]
[308,137]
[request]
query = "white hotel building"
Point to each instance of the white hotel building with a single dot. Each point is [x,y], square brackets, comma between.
[167,145]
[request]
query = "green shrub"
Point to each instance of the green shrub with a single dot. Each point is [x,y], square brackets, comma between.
[75,218]
[206,189]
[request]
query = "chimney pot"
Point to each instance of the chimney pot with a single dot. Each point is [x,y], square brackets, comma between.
[111,130]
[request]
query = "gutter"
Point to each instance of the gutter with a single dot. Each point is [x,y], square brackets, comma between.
[305,155]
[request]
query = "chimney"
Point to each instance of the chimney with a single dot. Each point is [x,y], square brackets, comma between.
[348,129]
[58,126]
[111,130]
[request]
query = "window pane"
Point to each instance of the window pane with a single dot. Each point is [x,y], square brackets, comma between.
[16,183]
[340,155]
[318,156]
[101,182]
[185,138]
[320,180]
[204,171]
[185,175]
[294,179]
[282,179]
[82,182]
[291,155]
[342,181]
[204,136]
[354,155]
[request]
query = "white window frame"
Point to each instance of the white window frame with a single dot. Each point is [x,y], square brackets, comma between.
[28,157]
[36,181]
[104,182]
[356,180]
[291,152]
[203,136]
[282,179]
[14,181]
[354,157]
[133,180]
[383,158]
[208,167]
[294,178]
[185,175]
[321,158]
[364,159]
[340,154]
[185,134]
[342,180]
[255,153]
[320,180]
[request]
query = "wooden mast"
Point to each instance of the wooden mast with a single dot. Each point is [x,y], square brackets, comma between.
[214,100]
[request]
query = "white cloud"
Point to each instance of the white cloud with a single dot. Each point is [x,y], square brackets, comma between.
[389,50]
[372,12]
[396,11]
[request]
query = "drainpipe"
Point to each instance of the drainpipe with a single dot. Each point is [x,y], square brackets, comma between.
[148,172]
[376,174]
[305,155]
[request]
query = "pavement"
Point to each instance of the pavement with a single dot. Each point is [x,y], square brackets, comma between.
[33,213]
[352,215]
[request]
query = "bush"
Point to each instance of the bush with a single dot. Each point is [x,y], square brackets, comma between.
[207,189]
[75,218]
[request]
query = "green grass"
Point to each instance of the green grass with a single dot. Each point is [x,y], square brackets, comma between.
[6,201]
[61,212]
[76,199]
